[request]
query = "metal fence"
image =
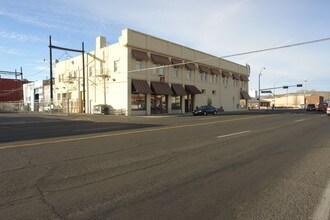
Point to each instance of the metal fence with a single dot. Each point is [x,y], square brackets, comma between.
[56,108]
[10,107]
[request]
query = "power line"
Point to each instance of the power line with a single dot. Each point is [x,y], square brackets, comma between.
[277,48]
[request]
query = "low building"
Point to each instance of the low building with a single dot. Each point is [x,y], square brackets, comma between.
[11,90]
[36,95]
[145,75]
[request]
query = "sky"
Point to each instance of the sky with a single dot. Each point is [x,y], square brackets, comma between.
[217,27]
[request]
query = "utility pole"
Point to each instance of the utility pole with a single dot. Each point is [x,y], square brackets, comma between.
[82,51]
[51,70]
[259,87]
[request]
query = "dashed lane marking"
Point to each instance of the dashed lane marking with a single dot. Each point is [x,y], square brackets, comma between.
[233,134]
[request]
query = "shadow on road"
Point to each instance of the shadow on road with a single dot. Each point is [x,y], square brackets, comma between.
[18,128]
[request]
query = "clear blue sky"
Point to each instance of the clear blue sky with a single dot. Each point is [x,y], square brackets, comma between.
[218,27]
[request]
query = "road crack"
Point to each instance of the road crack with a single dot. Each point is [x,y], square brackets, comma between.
[119,175]
[48,204]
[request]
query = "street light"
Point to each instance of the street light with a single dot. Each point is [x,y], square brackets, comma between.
[305,93]
[275,88]
[263,68]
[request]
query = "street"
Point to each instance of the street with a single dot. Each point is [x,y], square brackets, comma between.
[254,166]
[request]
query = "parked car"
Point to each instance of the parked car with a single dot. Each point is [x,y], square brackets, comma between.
[205,110]
[328,111]
[311,107]
[322,107]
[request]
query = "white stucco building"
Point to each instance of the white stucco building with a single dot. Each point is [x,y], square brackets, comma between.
[36,95]
[145,75]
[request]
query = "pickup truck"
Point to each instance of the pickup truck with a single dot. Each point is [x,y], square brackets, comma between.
[322,107]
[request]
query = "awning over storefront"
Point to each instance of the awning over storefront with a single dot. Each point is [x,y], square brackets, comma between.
[177,63]
[158,59]
[236,76]
[140,55]
[191,66]
[244,78]
[215,71]
[226,74]
[178,90]
[245,95]
[140,87]
[160,88]
[192,90]
[204,69]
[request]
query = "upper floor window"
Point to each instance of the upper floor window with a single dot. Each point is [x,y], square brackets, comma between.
[90,71]
[188,74]
[158,70]
[138,65]
[225,81]
[154,69]
[175,72]
[115,66]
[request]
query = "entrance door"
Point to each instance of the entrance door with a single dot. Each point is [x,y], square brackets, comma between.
[158,104]
[189,103]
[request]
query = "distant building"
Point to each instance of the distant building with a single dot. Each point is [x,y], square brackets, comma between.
[293,100]
[11,90]
[145,75]
[254,102]
[37,95]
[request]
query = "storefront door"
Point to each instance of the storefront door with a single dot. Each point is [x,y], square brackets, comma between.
[158,104]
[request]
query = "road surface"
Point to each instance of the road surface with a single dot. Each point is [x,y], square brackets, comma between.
[270,166]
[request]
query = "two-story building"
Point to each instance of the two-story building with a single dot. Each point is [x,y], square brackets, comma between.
[145,75]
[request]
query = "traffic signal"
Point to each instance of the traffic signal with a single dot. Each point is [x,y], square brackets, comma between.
[285,87]
[299,85]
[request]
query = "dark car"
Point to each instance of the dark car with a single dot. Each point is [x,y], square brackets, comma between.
[311,107]
[205,110]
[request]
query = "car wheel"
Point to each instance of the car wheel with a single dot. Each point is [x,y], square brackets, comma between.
[214,112]
[204,113]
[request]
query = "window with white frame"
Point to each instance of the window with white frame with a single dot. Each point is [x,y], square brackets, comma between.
[115,66]
[175,72]
[154,69]
[90,71]
[161,71]
[188,74]
[201,76]
[101,67]
[225,81]
[205,77]
[138,65]
[158,70]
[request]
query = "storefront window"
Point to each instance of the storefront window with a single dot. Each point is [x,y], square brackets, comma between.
[138,102]
[158,104]
[176,102]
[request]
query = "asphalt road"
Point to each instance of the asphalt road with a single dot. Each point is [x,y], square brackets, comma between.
[269,166]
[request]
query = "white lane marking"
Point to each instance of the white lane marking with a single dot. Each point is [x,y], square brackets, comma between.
[299,120]
[228,135]
[323,210]
[103,128]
